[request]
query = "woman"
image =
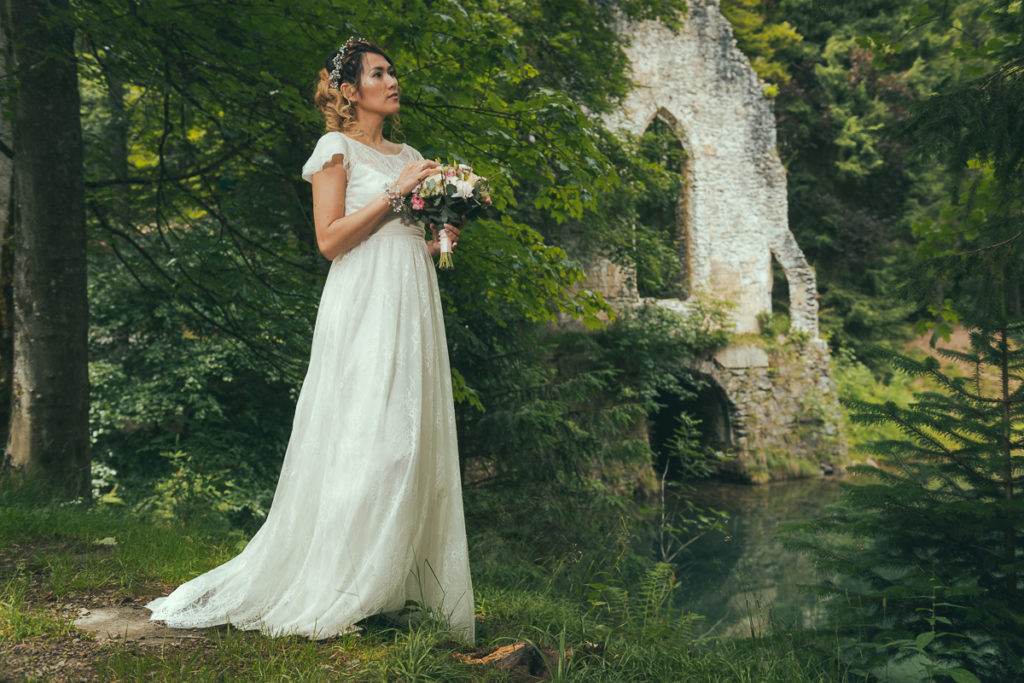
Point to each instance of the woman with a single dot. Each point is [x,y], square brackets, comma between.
[367,514]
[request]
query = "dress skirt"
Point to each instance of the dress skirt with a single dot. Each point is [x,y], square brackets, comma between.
[367,515]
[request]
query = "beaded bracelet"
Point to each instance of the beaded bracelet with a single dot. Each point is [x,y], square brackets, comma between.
[394,198]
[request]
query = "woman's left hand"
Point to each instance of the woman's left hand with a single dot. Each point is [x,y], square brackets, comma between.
[453,234]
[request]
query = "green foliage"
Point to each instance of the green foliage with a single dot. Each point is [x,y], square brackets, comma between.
[156,386]
[695,460]
[199,498]
[931,542]
[773,325]
[856,186]
[972,241]
[646,613]
[574,574]
[575,47]
[978,116]
[659,233]
[637,222]
[196,121]
[688,459]
[762,41]
[969,237]
[924,556]
[857,385]
[570,401]
[104,486]
[930,651]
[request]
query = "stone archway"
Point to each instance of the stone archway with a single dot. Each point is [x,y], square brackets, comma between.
[736,221]
[736,204]
[707,402]
[680,286]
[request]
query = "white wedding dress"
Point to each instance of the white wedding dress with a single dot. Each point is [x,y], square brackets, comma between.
[367,514]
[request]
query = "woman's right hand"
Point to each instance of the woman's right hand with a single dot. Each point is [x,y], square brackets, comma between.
[413,173]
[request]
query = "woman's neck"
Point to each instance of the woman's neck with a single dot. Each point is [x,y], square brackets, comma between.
[370,130]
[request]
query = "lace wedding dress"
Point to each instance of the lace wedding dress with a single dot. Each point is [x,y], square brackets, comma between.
[367,514]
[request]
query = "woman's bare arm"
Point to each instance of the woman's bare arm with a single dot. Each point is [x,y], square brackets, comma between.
[337,233]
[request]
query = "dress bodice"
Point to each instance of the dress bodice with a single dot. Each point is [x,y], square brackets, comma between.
[367,173]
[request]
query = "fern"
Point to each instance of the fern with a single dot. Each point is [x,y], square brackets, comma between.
[648,614]
[937,531]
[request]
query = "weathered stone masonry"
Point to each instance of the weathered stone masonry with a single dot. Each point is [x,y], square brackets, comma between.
[781,399]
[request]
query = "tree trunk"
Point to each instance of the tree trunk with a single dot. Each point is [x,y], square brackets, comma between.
[6,245]
[49,429]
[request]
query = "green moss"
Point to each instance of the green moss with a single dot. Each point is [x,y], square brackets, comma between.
[786,466]
[757,475]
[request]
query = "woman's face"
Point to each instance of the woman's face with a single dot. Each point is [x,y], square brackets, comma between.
[378,87]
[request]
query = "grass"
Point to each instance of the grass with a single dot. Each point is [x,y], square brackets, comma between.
[856,382]
[232,655]
[21,621]
[53,562]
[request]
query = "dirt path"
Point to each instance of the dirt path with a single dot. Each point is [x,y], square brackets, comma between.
[101,631]
[131,624]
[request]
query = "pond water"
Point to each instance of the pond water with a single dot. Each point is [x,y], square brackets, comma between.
[742,579]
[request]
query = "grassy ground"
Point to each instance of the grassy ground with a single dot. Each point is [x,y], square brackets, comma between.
[58,560]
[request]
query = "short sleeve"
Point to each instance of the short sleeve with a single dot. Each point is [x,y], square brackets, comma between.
[327,147]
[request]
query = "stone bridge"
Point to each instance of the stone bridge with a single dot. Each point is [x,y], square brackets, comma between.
[771,401]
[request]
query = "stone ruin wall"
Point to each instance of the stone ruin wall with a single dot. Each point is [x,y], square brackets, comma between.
[781,398]
[783,409]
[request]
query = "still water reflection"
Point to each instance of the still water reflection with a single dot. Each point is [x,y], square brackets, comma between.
[742,578]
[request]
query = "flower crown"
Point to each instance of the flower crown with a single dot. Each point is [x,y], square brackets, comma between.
[339,59]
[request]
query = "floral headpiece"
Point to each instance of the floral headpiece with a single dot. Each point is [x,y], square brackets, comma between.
[339,59]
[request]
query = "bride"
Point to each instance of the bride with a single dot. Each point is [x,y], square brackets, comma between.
[367,515]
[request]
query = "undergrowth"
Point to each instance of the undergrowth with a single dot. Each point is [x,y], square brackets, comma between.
[582,597]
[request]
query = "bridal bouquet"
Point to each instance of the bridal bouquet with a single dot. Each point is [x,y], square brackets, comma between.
[448,195]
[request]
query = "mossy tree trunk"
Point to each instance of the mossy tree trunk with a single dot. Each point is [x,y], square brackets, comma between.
[49,427]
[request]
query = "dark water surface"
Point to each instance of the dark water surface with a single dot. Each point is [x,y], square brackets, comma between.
[743,579]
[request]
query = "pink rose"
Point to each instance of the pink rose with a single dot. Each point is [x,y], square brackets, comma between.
[418,203]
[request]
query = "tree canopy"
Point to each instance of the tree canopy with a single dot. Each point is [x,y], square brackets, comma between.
[204,273]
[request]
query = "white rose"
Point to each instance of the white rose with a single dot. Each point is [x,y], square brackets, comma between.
[432,184]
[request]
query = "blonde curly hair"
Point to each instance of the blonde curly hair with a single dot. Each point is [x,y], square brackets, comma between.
[338,112]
